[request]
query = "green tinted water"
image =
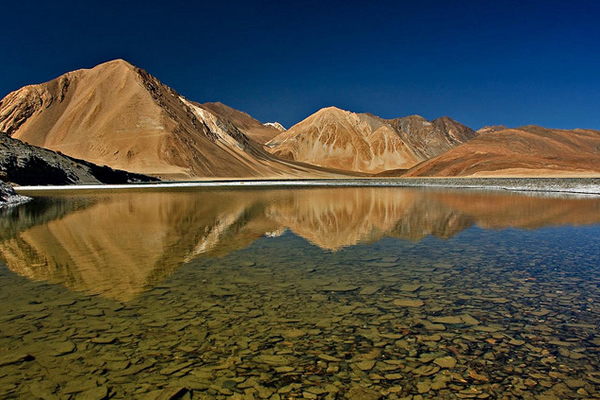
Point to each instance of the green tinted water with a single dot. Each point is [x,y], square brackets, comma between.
[321,293]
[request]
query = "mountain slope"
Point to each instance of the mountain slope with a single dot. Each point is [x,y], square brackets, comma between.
[525,151]
[335,138]
[255,130]
[121,116]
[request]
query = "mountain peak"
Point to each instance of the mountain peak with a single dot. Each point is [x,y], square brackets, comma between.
[116,62]
[331,110]
[275,125]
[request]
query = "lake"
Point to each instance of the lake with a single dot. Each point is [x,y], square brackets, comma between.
[321,293]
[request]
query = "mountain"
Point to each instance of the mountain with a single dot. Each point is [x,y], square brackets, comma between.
[335,138]
[525,151]
[25,164]
[121,116]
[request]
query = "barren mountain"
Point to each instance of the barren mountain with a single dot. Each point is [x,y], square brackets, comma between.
[341,139]
[121,116]
[525,151]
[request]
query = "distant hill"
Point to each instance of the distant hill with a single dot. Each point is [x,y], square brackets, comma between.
[335,138]
[525,151]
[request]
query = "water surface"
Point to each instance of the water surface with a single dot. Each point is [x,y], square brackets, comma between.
[310,293]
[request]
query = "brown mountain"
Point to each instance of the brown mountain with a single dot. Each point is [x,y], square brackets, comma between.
[335,138]
[121,116]
[525,151]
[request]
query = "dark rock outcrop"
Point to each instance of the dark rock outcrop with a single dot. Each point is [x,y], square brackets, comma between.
[25,164]
[9,196]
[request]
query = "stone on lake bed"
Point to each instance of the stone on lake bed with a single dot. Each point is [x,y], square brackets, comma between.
[274,360]
[410,288]
[455,320]
[393,376]
[575,383]
[369,290]
[426,370]
[93,312]
[339,288]
[408,302]
[445,362]
[326,357]
[97,393]
[104,339]
[293,333]
[63,348]
[166,394]
[285,369]
[447,320]
[8,359]
[363,393]
[366,365]
[424,386]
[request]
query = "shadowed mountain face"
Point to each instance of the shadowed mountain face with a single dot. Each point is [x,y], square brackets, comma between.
[118,115]
[340,139]
[120,244]
[526,151]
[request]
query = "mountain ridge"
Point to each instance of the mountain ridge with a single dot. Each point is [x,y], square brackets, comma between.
[336,138]
[119,115]
[525,151]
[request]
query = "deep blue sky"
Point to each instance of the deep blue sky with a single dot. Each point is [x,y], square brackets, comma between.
[479,62]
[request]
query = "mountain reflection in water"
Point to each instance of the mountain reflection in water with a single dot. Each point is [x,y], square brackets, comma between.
[120,244]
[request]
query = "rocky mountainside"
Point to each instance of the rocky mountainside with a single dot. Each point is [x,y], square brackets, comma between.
[25,164]
[525,151]
[118,115]
[335,138]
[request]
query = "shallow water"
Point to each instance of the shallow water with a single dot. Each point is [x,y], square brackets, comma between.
[308,293]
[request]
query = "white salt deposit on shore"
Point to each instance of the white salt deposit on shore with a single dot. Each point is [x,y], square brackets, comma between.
[547,185]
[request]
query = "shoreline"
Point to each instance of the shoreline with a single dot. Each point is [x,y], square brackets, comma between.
[580,186]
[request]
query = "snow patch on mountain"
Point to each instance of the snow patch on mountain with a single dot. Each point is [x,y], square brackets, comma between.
[275,125]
